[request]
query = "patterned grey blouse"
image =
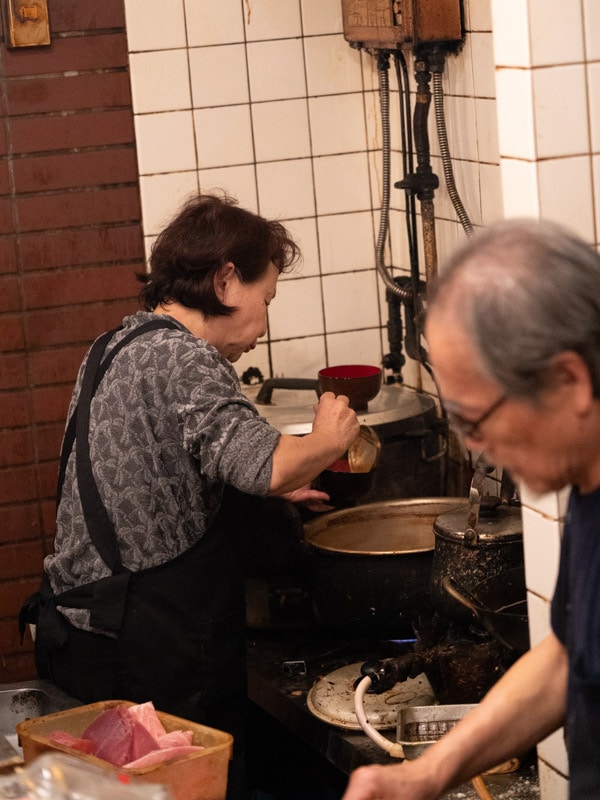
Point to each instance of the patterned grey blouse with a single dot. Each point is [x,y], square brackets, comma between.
[169,428]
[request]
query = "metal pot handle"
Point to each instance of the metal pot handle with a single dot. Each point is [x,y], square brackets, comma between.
[460,594]
[266,390]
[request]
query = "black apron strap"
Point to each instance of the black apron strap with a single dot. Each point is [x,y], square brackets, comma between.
[99,525]
[69,437]
[105,598]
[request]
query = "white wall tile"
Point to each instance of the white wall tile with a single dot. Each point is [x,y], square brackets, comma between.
[538,611]
[373,123]
[272,19]
[478,14]
[486,121]
[510,26]
[332,66]
[593,100]
[162,195]
[491,193]
[304,233]
[327,135]
[516,131]
[556,32]
[554,752]
[397,253]
[346,242]
[154,24]
[210,23]
[359,308]
[148,243]
[596,184]
[541,543]
[591,21]
[484,69]
[466,179]
[219,75]
[353,348]
[299,358]
[297,310]
[461,127]
[276,70]
[281,130]
[160,81]
[285,189]
[370,74]
[341,183]
[520,190]
[258,358]
[566,193]
[458,76]
[559,94]
[223,136]
[165,142]
[553,785]
[552,504]
[449,236]
[321,16]
[239,182]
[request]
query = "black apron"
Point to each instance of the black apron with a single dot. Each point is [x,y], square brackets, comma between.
[176,632]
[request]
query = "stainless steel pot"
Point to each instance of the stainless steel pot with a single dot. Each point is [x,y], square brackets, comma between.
[371,564]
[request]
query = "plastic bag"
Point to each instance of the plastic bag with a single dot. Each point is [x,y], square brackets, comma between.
[63,777]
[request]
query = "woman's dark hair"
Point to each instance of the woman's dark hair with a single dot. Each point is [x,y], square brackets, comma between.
[208,232]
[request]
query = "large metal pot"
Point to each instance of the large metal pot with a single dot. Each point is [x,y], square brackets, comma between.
[470,555]
[371,564]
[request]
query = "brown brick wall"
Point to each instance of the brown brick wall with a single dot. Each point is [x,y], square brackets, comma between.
[70,244]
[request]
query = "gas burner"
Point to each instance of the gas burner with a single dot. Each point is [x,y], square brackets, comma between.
[461,663]
[322,650]
[332,698]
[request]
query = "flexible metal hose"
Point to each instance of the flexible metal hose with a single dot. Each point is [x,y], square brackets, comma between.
[384,219]
[440,121]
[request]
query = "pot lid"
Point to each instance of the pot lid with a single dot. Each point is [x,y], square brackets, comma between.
[503,526]
[331,699]
[291,411]
[396,527]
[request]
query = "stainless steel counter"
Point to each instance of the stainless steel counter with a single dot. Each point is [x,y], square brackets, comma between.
[283,698]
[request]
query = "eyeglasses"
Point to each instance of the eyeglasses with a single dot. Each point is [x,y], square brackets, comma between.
[469,429]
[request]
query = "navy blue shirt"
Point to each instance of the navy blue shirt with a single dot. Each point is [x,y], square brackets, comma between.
[576,623]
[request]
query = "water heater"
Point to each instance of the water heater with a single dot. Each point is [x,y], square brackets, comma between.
[388,24]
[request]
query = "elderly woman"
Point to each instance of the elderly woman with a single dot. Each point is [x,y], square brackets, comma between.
[143,597]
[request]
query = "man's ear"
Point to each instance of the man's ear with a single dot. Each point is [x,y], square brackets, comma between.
[222,280]
[570,373]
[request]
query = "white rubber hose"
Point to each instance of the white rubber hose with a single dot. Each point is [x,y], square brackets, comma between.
[393,748]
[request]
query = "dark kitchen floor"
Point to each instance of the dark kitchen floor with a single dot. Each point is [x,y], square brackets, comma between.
[282,766]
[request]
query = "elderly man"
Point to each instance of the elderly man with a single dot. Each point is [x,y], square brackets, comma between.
[513,332]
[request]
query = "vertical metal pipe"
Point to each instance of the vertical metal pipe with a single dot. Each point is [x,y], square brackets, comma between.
[427,181]
[429,243]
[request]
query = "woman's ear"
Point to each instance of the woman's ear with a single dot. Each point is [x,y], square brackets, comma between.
[222,280]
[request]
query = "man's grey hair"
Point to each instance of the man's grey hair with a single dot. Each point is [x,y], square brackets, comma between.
[524,290]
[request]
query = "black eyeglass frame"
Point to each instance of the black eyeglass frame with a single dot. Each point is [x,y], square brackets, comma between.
[469,429]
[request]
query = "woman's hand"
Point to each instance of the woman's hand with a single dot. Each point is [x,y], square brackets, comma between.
[313,499]
[297,460]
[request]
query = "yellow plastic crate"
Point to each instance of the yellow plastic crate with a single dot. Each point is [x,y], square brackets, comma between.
[198,776]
